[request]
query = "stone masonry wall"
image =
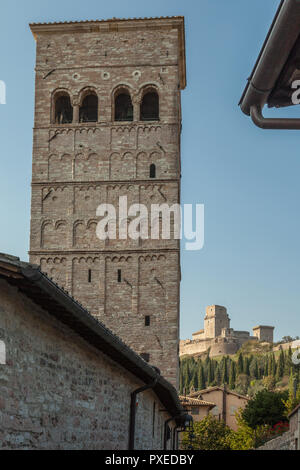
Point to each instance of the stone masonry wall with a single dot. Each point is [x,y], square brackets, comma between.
[218,346]
[58,392]
[78,166]
[284,442]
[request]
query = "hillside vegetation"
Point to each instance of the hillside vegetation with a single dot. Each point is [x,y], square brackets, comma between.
[255,367]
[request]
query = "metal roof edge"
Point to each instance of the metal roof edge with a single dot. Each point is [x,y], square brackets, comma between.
[282,36]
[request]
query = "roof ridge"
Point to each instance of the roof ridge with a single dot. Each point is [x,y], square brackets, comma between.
[109,20]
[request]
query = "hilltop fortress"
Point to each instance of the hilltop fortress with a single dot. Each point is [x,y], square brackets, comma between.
[219,337]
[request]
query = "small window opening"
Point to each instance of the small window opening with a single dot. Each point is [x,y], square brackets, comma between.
[90,275]
[150,107]
[147,320]
[2,353]
[123,107]
[89,109]
[63,110]
[152,171]
[119,275]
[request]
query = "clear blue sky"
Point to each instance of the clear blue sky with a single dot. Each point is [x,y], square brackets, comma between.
[247,178]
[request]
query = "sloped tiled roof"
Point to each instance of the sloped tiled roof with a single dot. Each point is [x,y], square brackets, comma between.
[212,389]
[186,400]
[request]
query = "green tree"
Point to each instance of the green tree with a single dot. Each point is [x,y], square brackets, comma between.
[201,377]
[242,384]
[210,372]
[194,381]
[225,378]
[209,434]
[273,365]
[218,377]
[293,394]
[246,438]
[232,376]
[288,361]
[280,366]
[247,366]
[240,364]
[265,408]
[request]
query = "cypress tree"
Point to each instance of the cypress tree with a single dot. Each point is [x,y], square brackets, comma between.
[280,366]
[210,375]
[232,376]
[266,366]
[201,378]
[247,367]
[273,369]
[218,375]
[194,381]
[240,365]
[225,373]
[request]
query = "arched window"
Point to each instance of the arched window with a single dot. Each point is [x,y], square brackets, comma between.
[123,107]
[150,107]
[152,171]
[88,111]
[63,109]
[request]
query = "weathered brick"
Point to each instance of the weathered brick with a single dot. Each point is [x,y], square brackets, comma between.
[77,166]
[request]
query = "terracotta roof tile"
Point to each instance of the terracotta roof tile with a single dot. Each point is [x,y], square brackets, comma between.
[185,400]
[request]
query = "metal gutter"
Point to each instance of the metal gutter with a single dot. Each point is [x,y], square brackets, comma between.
[273,123]
[277,47]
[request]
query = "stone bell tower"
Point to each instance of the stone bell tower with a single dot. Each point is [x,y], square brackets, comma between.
[107,124]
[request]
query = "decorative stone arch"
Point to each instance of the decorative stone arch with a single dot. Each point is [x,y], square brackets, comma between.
[91,221]
[127,114]
[45,224]
[63,111]
[142,159]
[60,223]
[75,225]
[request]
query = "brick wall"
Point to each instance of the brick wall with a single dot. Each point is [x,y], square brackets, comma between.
[77,166]
[58,392]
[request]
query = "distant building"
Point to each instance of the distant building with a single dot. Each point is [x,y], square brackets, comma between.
[264,333]
[197,408]
[218,337]
[227,403]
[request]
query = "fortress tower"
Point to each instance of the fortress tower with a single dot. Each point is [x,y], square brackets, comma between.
[107,124]
[264,333]
[215,320]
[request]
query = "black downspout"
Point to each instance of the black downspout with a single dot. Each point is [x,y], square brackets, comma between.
[133,411]
[165,432]
[165,429]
